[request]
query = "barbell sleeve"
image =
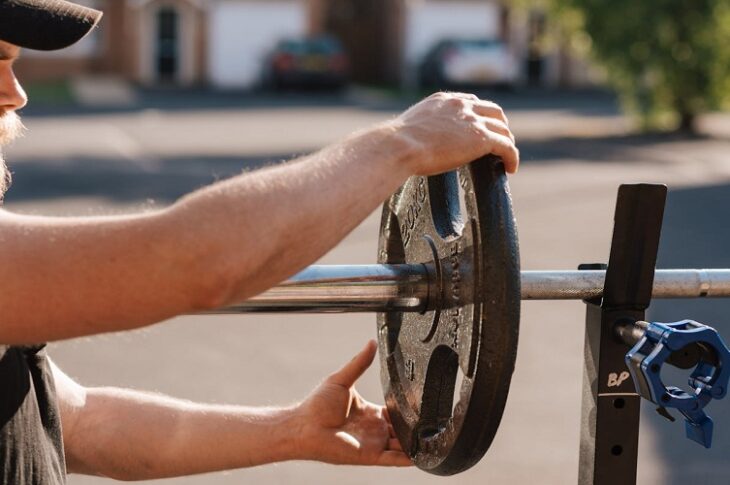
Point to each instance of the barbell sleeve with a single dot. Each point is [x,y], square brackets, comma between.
[405,288]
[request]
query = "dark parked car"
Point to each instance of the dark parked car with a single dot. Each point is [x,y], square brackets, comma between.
[314,62]
[468,62]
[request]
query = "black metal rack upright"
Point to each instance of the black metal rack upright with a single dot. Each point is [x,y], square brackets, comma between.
[610,414]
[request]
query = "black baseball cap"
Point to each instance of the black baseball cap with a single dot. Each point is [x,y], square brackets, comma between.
[45,24]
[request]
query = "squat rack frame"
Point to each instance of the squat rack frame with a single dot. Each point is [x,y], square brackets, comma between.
[610,415]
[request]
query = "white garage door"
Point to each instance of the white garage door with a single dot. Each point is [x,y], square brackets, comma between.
[242,33]
[429,21]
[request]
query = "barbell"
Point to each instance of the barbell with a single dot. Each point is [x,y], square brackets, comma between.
[447,294]
[371,288]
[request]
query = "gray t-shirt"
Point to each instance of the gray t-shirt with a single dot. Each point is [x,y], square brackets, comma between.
[31,443]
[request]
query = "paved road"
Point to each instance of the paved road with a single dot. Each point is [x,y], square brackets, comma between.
[576,151]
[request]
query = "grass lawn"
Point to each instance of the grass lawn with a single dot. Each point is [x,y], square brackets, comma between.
[50,93]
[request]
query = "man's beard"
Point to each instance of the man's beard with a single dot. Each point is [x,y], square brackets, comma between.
[10,128]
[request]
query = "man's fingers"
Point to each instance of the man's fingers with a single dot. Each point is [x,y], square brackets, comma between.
[483,107]
[490,110]
[504,148]
[394,445]
[467,96]
[394,458]
[352,371]
[498,126]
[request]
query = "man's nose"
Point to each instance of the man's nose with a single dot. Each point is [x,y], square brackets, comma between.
[12,95]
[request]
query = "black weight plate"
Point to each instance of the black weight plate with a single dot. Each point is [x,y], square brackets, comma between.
[446,372]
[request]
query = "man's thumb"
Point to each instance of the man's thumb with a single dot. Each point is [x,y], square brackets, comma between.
[352,371]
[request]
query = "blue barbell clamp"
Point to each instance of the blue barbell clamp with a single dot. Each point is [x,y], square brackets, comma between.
[708,381]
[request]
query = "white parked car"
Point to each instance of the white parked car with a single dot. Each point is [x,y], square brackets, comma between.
[468,62]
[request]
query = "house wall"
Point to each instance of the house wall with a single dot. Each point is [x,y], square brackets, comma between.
[370,33]
[83,57]
[242,33]
[317,12]
[31,70]
[118,43]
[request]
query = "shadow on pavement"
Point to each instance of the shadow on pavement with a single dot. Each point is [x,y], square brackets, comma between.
[175,100]
[171,100]
[696,234]
[605,148]
[169,178]
[121,181]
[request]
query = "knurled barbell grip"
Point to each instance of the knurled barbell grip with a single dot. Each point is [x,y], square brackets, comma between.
[584,285]
[405,288]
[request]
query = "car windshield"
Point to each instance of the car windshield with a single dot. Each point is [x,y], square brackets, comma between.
[480,44]
[310,46]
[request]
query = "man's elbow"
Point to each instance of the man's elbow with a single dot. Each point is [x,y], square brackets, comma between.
[211,290]
[200,279]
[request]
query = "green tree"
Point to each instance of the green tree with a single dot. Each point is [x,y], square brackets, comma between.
[668,59]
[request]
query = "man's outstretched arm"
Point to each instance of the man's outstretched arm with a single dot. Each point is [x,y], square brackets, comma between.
[130,435]
[69,277]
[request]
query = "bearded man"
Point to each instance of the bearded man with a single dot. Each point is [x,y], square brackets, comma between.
[69,277]
[10,129]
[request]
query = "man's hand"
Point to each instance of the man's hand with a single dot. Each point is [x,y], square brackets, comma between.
[339,426]
[130,435]
[448,130]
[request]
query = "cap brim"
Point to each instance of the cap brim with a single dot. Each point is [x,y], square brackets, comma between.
[45,24]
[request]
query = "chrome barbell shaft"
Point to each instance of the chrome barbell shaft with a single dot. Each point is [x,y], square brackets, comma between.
[339,289]
[405,287]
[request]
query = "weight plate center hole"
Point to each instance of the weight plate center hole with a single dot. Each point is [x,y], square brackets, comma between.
[441,392]
[448,204]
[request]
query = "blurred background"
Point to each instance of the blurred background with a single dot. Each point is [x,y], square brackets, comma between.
[169,95]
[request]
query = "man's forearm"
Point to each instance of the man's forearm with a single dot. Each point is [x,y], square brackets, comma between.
[262,227]
[129,435]
[225,242]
